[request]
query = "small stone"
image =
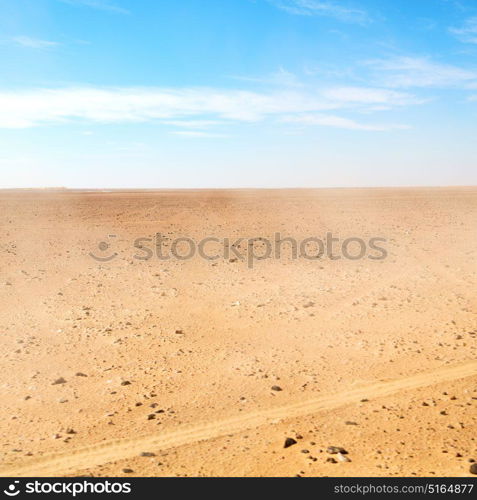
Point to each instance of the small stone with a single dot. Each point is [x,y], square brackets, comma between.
[151,416]
[343,458]
[60,380]
[289,442]
[331,460]
[276,388]
[70,431]
[147,454]
[349,422]
[473,468]
[80,374]
[127,471]
[126,382]
[334,450]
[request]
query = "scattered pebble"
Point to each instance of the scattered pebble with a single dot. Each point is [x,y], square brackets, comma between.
[334,450]
[343,458]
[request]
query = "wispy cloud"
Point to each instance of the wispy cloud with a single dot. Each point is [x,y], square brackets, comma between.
[467,33]
[340,122]
[33,43]
[282,78]
[323,8]
[197,133]
[189,107]
[105,5]
[375,97]
[407,72]
[197,124]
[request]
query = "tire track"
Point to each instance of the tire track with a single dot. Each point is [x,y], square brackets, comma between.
[101,453]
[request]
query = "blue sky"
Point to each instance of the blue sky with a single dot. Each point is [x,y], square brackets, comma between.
[238,93]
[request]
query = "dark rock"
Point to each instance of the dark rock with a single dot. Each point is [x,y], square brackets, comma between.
[334,450]
[147,454]
[276,388]
[473,468]
[127,471]
[331,460]
[126,382]
[289,442]
[60,380]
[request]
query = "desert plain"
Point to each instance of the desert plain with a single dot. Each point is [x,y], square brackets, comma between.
[114,365]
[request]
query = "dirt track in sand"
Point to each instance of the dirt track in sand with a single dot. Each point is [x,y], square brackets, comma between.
[98,454]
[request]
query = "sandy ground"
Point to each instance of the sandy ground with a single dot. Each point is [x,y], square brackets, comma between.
[171,367]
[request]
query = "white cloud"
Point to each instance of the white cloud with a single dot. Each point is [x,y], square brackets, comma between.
[468,32]
[98,4]
[199,124]
[282,78]
[371,96]
[33,43]
[180,107]
[323,8]
[197,133]
[408,72]
[339,122]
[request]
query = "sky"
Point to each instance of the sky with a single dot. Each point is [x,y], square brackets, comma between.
[237,93]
